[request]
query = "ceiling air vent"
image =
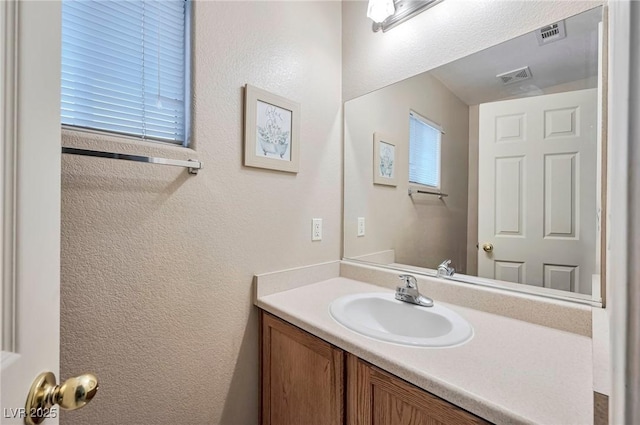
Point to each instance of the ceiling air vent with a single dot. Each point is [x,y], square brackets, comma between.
[515,76]
[550,33]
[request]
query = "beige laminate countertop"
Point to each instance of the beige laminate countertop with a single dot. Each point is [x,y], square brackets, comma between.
[510,372]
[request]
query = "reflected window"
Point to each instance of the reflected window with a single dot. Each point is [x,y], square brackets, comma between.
[424,151]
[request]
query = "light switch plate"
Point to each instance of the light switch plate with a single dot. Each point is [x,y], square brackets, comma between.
[316,229]
[360,226]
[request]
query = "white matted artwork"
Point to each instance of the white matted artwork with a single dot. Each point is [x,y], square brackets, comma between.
[384,160]
[272,125]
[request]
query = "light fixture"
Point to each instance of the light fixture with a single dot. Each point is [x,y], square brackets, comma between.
[379,10]
[401,10]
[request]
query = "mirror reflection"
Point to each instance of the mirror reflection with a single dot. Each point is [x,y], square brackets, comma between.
[492,162]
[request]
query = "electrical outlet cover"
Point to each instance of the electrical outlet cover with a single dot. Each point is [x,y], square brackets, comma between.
[360,226]
[316,229]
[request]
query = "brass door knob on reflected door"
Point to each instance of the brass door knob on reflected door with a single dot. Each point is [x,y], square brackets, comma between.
[487,247]
[74,393]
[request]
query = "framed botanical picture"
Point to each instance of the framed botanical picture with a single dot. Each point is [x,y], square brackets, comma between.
[384,160]
[271,131]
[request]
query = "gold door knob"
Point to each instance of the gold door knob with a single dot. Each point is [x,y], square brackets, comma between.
[73,394]
[487,247]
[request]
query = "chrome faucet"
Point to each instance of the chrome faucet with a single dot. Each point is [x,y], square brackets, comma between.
[444,269]
[408,292]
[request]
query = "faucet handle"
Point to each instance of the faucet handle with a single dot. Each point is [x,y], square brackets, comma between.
[444,269]
[445,263]
[409,281]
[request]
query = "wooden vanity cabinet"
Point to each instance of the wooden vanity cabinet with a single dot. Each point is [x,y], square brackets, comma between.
[304,380]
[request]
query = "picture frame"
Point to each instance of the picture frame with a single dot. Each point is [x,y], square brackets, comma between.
[271,132]
[384,160]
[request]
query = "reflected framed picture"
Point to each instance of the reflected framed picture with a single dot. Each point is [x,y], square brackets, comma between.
[384,160]
[271,131]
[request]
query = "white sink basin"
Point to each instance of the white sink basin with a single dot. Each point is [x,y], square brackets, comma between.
[382,317]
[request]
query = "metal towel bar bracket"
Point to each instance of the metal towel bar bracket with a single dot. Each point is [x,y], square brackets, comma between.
[191,165]
[440,195]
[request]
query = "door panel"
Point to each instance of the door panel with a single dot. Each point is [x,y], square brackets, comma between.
[560,123]
[510,128]
[538,190]
[509,271]
[31,172]
[560,277]
[560,195]
[509,197]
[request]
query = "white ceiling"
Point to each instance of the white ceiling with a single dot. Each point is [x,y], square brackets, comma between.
[572,61]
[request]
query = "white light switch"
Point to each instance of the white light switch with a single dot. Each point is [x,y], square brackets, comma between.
[316,229]
[360,226]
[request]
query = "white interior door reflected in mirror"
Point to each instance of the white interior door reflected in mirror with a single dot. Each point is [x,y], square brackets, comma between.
[537,190]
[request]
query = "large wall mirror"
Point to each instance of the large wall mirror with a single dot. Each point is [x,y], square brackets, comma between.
[493,161]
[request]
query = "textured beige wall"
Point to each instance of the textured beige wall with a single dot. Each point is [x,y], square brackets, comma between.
[157,265]
[422,229]
[448,31]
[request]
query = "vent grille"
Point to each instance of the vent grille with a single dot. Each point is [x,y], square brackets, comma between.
[550,33]
[515,76]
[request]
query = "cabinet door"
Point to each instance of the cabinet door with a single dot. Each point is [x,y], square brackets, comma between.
[375,397]
[302,377]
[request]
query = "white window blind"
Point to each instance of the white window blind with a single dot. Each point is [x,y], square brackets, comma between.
[124,67]
[424,151]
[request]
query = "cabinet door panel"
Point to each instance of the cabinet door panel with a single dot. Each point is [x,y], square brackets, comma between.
[375,397]
[388,409]
[302,377]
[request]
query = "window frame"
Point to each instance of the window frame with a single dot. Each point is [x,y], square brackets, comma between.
[435,126]
[188,17]
[188,67]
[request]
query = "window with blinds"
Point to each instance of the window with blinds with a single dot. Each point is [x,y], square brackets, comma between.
[125,67]
[424,151]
